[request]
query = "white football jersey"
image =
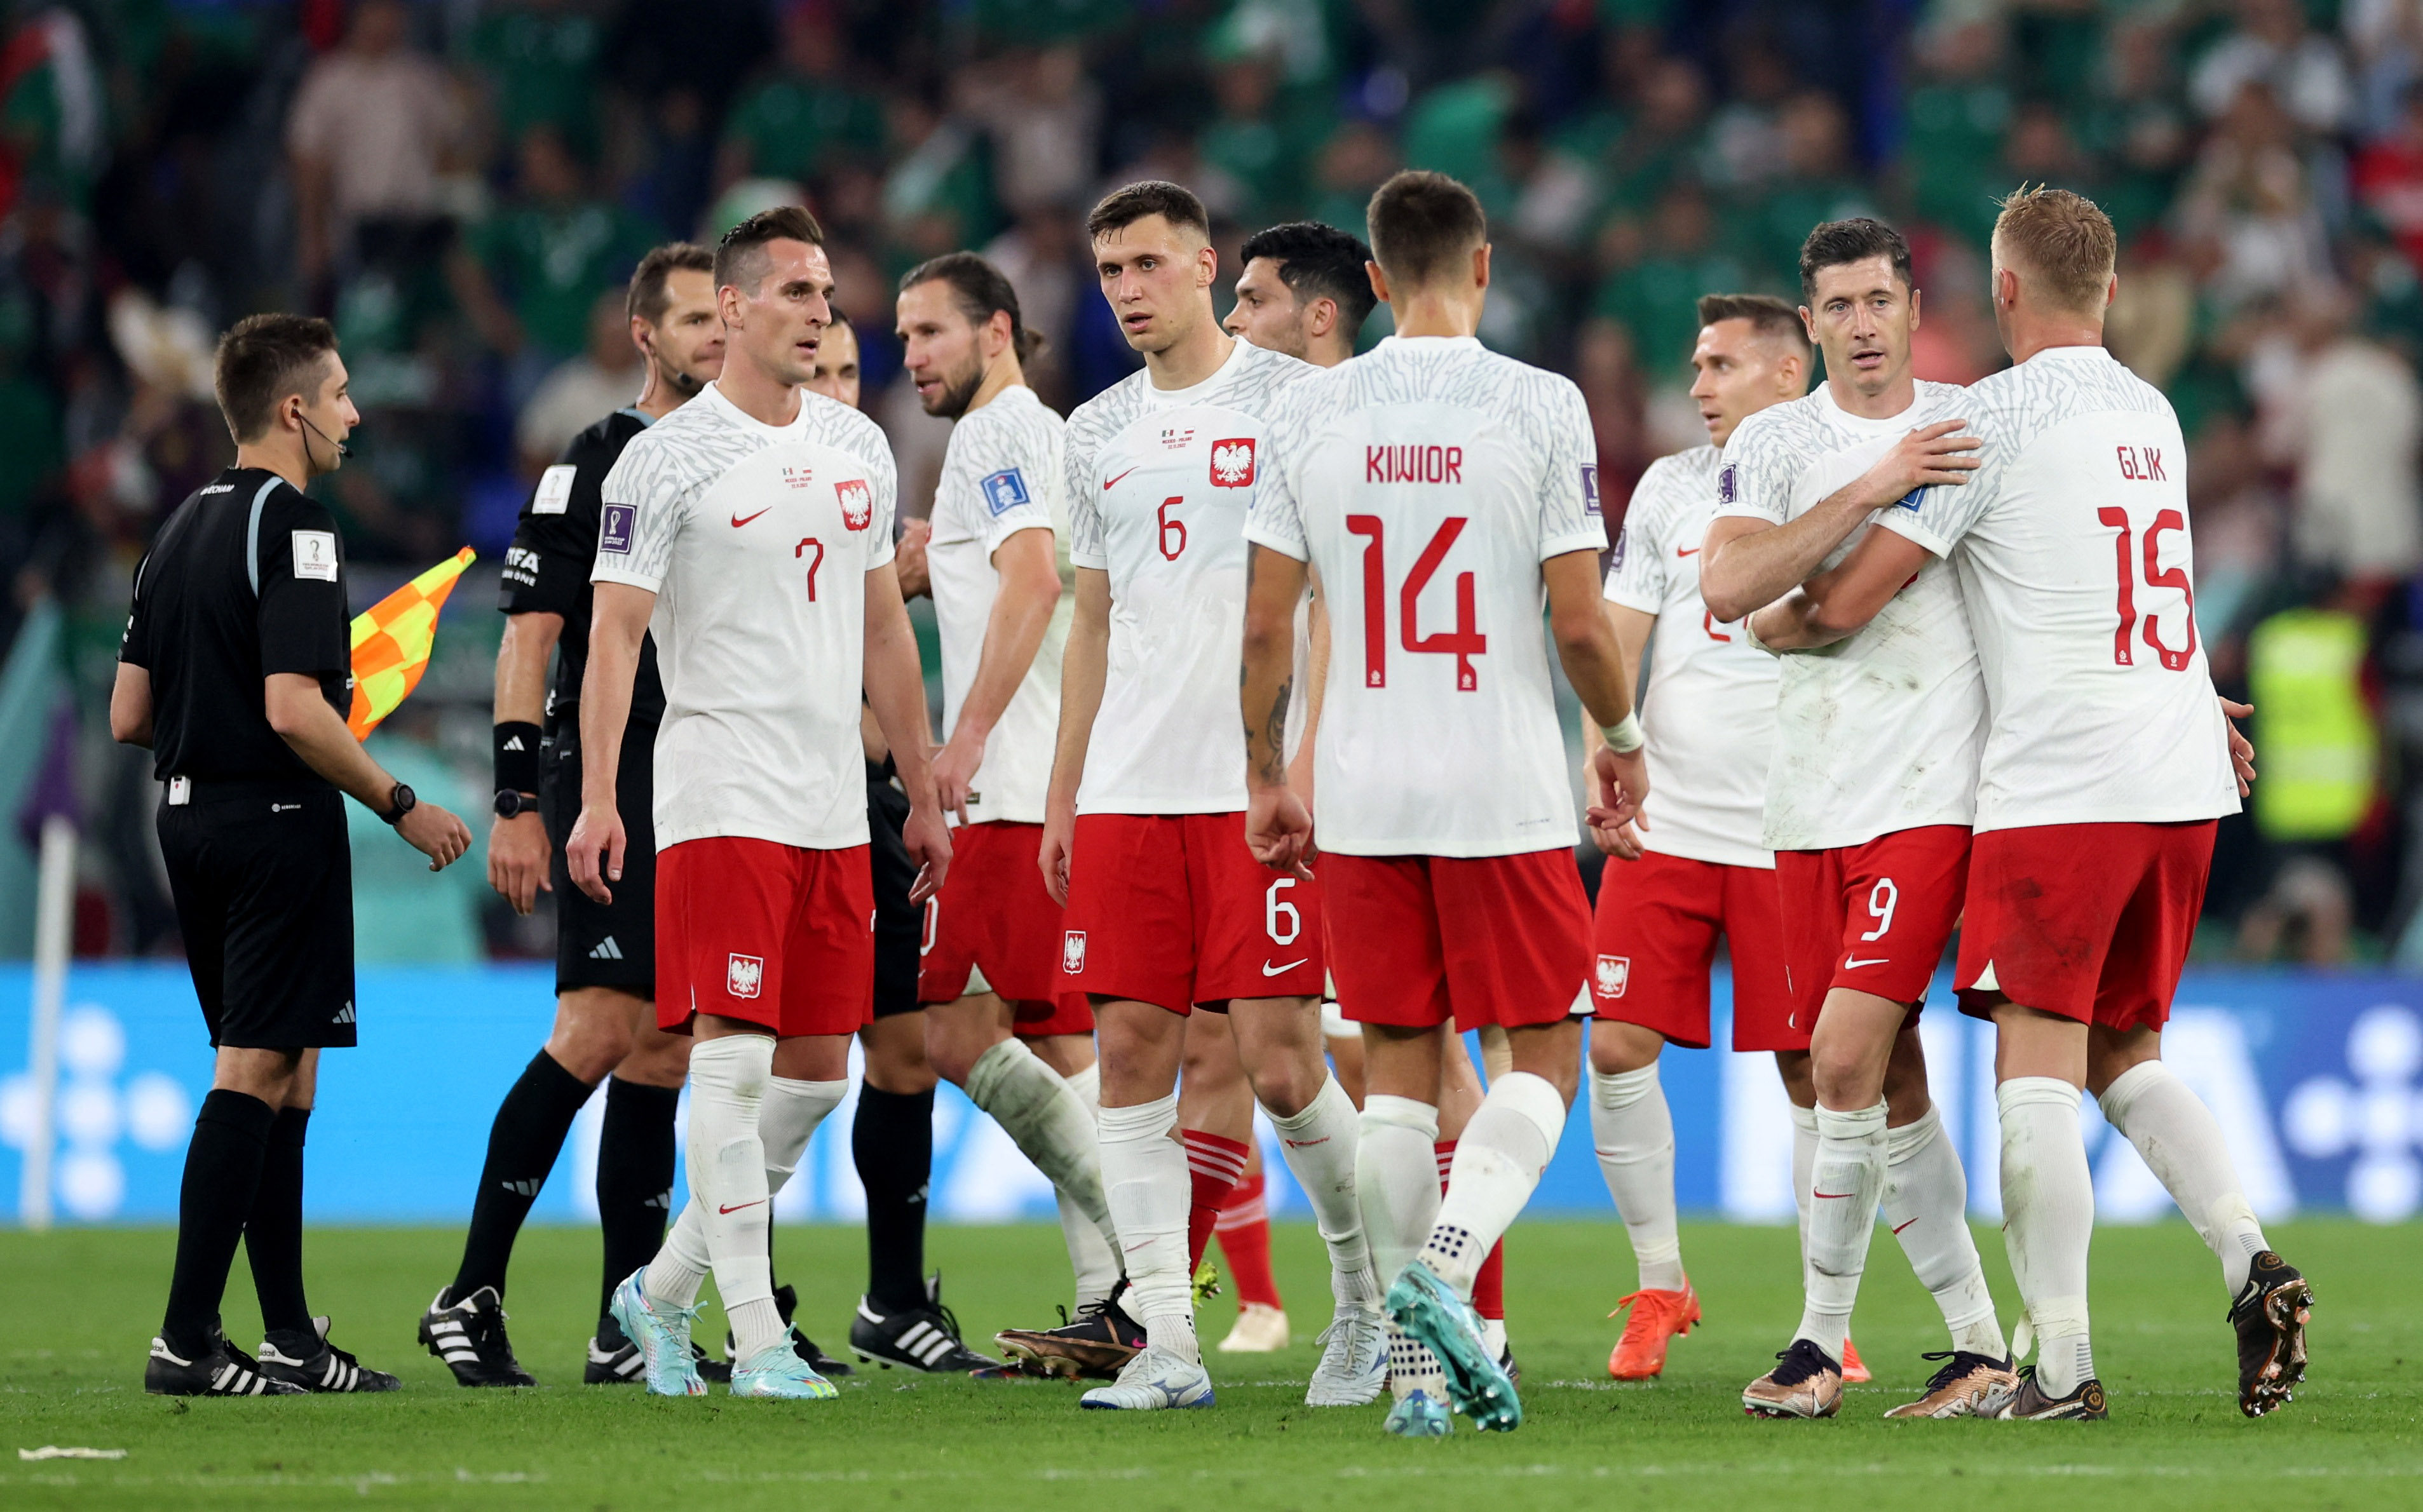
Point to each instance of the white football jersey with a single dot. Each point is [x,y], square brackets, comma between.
[1881,730]
[757,541]
[1708,706]
[1425,482]
[1000,476]
[1159,482]
[2074,554]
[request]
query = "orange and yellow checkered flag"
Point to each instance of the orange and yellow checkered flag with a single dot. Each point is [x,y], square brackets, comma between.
[392,639]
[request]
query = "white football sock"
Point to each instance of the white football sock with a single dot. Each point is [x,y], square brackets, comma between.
[1143,1175]
[1634,1134]
[786,1119]
[2182,1145]
[1091,1258]
[1320,1143]
[1395,1179]
[1804,1168]
[1046,1120]
[2048,1219]
[1505,1146]
[1927,1206]
[1843,1188]
[726,1162]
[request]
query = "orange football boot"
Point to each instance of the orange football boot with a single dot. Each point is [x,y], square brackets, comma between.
[1854,1369]
[1656,1317]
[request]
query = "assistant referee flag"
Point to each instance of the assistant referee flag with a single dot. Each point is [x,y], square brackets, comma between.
[392,639]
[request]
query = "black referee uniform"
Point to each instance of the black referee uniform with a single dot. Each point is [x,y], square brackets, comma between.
[247,579]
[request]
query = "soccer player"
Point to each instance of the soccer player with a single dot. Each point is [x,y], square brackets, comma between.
[1700,868]
[2108,762]
[605,967]
[1445,495]
[752,529]
[1144,835]
[1868,802]
[997,1022]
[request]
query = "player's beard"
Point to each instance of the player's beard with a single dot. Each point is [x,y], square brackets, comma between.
[957,393]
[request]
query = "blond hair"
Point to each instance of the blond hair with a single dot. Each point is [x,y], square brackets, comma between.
[2064,238]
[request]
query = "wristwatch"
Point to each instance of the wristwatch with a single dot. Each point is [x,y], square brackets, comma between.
[511,802]
[400,801]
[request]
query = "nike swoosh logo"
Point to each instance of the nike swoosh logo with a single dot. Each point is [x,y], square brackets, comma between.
[1109,483]
[1303,1144]
[1851,961]
[1903,1224]
[1270,970]
[728,1211]
[1815,1193]
[739,520]
[1683,551]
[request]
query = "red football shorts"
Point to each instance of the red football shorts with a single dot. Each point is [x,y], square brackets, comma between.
[2090,922]
[1173,910]
[777,934]
[1655,937]
[993,916]
[1490,940]
[1872,918]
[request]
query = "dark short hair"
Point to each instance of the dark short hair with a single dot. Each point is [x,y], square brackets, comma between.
[648,296]
[1315,260]
[740,257]
[1768,316]
[982,291]
[1862,237]
[262,359]
[1421,223]
[840,316]
[1130,203]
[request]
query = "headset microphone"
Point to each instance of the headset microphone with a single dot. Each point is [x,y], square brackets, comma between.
[344,452]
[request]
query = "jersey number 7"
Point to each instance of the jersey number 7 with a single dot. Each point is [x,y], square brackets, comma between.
[1464,642]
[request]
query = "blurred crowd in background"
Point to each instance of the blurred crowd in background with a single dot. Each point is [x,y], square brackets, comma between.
[462,186]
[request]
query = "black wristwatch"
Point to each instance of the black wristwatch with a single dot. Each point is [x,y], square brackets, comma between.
[511,802]
[399,802]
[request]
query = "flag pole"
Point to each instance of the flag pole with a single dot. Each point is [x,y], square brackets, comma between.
[54,930]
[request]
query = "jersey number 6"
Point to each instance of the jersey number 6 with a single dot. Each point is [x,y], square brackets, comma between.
[1170,527]
[1464,642]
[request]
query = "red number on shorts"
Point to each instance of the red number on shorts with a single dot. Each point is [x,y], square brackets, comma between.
[1171,527]
[2125,565]
[1464,642]
[814,562]
[1882,899]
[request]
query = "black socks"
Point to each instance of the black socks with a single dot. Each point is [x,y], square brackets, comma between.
[273,1235]
[223,1168]
[635,1176]
[892,1141]
[523,1143]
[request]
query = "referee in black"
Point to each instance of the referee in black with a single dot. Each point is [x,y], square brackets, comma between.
[235,671]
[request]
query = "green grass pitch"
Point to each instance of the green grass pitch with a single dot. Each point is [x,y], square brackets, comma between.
[84,1302]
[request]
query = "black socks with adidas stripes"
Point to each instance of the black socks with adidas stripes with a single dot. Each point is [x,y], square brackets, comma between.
[523,1143]
[273,1235]
[635,1177]
[892,1141]
[222,1175]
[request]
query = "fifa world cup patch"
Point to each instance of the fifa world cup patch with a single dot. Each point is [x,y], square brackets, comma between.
[315,555]
[744,974]
[857,503]
[614,528]
[1728,487]
[1072,952]
[1232,463]
[1613,972]
[1589,489]
[1006,491]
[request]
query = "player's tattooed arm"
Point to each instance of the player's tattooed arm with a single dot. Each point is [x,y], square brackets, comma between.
[1279,827]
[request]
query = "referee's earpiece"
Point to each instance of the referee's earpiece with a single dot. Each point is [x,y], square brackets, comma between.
[344,452]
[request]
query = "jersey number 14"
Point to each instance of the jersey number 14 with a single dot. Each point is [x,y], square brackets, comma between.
[1464,642]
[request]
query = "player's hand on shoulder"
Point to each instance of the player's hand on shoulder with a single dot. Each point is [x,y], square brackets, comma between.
[927,835]
[518,854]
[1619,784]
[437,834]
[1931,456]
[1059,842]
[1279,831]
[593,854]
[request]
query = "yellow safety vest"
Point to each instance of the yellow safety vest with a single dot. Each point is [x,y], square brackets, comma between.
[2315,741]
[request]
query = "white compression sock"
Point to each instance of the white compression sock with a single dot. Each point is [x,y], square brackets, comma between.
[1634,1134]
[726,1161]
[1143,1175]
[2182,1145]
[1320,1144]
[1046,1121]
[1091,1258]
[2048,1219]
[1505,1146]
[1927,1206]
[1396,1184]
[1804,1168]
[786,1119]
[1843,1187]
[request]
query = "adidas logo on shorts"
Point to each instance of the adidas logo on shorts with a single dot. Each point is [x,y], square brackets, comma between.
[344,1015]
[607,950]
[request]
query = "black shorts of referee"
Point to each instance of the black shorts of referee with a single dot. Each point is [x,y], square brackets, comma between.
[262,880]
[603,944]
[899,925]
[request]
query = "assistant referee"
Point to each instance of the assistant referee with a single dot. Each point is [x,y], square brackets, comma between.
[235,669]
